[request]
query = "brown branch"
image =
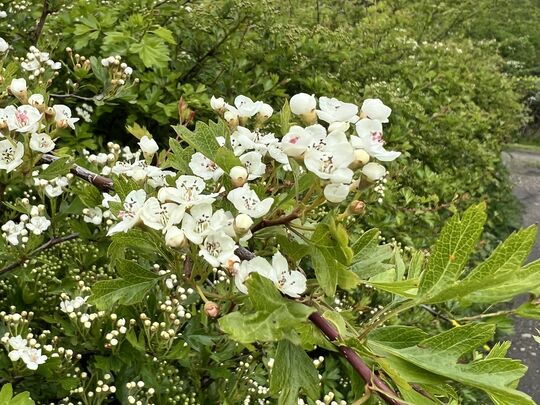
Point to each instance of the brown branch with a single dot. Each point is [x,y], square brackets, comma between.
[39,28]
[101,182]
[329,331]
[50,243]
[278,221]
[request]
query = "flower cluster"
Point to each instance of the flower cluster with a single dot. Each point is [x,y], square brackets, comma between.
[36,223]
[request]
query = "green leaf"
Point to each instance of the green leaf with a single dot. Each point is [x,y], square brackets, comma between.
[274,317]
[59,167]
[180,157]
[165,34]
[152,50]
[6,393]
[124,185]
[456,242]
[293,371]
[441,355]
[7,398]
[226,159]
[285,117]
[131,288]
[203,139]
[99,70]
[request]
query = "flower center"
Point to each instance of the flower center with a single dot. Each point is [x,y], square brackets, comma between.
[8,155]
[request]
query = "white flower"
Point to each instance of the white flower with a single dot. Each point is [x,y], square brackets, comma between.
[242,223]
[217,104]
[336,192]
[299,139]
[217,249]
[33,358]
[375,109]
[174,237]
[370,139]
[332,110]
[41,143]
[131,214]
[374,171]
[107,198]
[331,163]
[18,88]
[302,103]
[30,65]
[36,100]
[161,216]
[188,192]
[13,231]
[291,283]
[148,145]
[4,46]
[63,116]
[246,201]
[200,222]
[204,167]
[24,118]
[19,345]
[247,107]
[253,164]
[10,155]
[93,215]
[265,111]
[53,191]
[38,225]
[3,14]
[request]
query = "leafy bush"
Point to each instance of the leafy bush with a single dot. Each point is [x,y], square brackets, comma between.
[138,273]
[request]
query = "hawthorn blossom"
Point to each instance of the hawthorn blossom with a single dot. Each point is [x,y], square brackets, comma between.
[374,171]
[18,88]
[41,143]
[19,346]
[246,107]
[130,215]
[298,140]
[161,216]
[38,225]
[375,109]
[217,104]
[289,282]
[68,306]
[36,100]
[246,201]
[332,164]
[10,155]
[33,358]
[336,192]
[370,139]
[93,215]
[332,110]
[203,167]
[174,237]
[217,249]
[253,164]
[188,192]
[63,116]
[24,118]
[201,222]
[13,230]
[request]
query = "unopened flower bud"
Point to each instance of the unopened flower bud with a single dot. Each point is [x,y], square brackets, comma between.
[211,309]
[175,237]
[265,112]
[217,104]
[19,90]
[361,156]
[357,207]
[238,175]
[374,171]
[232,119]
[304,105]
[242,223]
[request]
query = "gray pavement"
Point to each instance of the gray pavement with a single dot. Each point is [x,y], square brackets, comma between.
[525,174]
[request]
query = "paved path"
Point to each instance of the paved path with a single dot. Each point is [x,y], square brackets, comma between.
[525,174]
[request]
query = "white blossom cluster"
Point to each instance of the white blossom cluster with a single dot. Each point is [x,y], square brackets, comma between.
[184,212]
[36,63]
[36,223]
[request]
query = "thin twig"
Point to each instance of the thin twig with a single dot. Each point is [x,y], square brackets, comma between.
[278,221]
[436,314]
[101,182]
[76,96]
[50,243]
[39,28]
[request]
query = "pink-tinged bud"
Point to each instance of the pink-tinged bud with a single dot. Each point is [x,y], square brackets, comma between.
[357,207]
[211,309]
[238,175]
